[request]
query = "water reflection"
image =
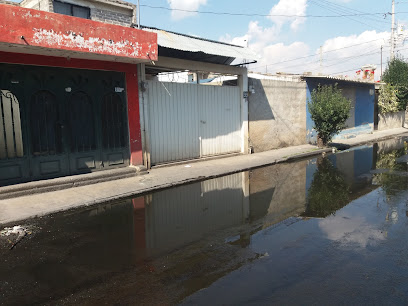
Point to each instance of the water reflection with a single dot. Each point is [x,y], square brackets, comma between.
[328,191]
[183,239]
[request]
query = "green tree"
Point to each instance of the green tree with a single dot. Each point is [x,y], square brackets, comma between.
[329,110]
[328,192]
[396,75]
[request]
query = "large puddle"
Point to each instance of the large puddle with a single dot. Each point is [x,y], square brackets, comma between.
[330,229]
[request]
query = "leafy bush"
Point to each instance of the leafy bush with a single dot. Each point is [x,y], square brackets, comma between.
[329,110]
[388,101]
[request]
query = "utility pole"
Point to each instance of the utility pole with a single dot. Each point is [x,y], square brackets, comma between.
[381,64]
[392,30]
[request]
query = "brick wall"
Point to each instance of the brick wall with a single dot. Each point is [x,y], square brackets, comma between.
[111,17]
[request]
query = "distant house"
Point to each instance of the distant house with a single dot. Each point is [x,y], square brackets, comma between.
[362,97]
[278,113]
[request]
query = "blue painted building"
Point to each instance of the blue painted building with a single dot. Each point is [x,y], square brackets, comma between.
[362,96]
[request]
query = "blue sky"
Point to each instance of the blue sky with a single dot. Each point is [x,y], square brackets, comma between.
[278,40]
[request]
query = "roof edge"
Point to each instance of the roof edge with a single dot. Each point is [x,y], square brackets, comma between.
[194,37]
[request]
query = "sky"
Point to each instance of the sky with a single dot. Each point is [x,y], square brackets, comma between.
[311,43]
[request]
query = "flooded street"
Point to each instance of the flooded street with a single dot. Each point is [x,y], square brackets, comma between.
[330,229]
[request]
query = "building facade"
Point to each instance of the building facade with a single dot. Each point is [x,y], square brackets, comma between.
[69,94]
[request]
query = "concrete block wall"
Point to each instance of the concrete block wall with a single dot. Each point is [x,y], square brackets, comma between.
[406,119]
[277,114]
[111,17]
[391,120]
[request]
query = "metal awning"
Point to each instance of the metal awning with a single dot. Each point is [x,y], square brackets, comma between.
[222,53]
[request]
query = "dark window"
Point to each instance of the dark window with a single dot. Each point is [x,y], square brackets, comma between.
[113,122]
[72,10]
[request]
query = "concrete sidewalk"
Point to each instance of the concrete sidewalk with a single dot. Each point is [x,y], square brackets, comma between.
[20,208]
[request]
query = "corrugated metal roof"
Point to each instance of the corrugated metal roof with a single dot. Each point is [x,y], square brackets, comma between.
[337,78]
[188,43]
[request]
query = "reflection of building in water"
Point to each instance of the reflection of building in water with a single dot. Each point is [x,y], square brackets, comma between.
[277,191]
[181,215]
[184,214]
[174,217]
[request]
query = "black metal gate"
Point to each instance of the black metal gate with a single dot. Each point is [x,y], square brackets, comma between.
[56,122]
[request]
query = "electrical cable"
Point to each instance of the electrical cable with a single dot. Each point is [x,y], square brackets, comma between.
[331,10]
[344,9]
[267,15]
[307,56]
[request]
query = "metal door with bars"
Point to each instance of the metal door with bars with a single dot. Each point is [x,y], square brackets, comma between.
[57,122]
[188,121]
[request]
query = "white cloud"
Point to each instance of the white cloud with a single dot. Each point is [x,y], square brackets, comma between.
[189,5]
[340,55]
[351,230]
[364,49]
[289,7]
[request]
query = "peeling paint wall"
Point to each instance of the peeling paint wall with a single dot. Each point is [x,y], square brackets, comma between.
[277,114]
[23,26]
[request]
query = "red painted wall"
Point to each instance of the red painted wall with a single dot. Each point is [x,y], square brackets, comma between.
[130,70]
[56,31]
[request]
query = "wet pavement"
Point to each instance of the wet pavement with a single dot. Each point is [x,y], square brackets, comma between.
[331,229]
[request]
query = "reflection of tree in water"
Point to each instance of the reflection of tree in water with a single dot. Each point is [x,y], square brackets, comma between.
[328,192]
[395,179]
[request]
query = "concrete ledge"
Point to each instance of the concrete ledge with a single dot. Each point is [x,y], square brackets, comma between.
[61,183]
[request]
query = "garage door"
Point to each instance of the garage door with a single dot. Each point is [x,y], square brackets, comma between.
[57,121]
[188,121]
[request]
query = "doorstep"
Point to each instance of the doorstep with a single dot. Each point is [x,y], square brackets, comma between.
[66,182]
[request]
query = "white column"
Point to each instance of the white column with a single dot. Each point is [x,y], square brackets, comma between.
[243,85]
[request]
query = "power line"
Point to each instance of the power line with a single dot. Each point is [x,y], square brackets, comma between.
[340,14]
[344,59]
[266,15]
[307,56]
[344,9]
